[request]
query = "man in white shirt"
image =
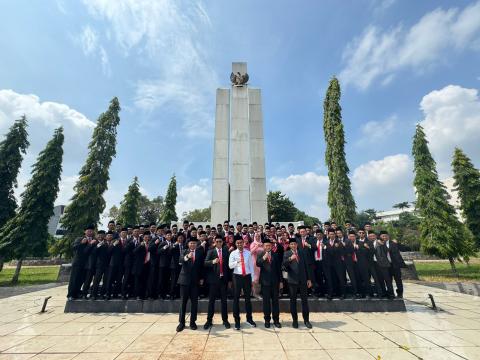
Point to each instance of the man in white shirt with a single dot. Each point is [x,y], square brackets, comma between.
[241,262]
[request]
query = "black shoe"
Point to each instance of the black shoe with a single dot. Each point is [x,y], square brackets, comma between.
[358,296]
[226,324]
[308,325]
[70,298]
[400,296]
[329,298]
[207,325]
[237,325]
[251,322]
[267,324]
[107,297]
[193,326]
[343,297]
[391,297]
[277,324]
[180,327]
[124,297]
[295,324]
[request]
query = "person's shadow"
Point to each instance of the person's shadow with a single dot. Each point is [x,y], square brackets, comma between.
[327,325]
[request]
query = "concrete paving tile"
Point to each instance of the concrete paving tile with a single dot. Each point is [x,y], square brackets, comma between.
[264,355]
[436,353]
[299,341]
[139,356]
[34,345]
[96,356]
[111,344]
[149,343]
[132,328]
[442,338]
[46,356]
[15,356]
[378,325]
[222,342]
[471,353]
[37,329]
[223,355]
[392,354]
[335,341]
[350,354]
[12,340]
[371,340]
[307,354]
[187,343]
[66,344]
[267,341]
[406,338]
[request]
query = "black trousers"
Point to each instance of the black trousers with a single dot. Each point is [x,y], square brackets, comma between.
[100,273]
[364,285]
[114,280]
[294,289]
[396,273]
[218,289]
[163,281]
[127,282]
[319,278]
[385,280]
[188,292]
[152,286]
[141,281]
[350,269]
[337,271]
[242,282]
[173,281]
[372,271]
[76,280]
[327,274]
[87,281]
[271,307]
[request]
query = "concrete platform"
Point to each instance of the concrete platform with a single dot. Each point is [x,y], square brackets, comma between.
[172,306]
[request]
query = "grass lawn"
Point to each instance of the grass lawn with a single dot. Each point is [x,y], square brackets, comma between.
[30,275]
[441,271]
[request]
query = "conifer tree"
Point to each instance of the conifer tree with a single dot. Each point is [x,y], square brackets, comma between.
[87,204]
[26,233]
[169,212]
[130,206]
[12,149]
[340,198]
[441,233]
[467,183]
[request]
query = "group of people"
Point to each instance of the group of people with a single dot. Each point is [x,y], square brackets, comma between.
[264,261]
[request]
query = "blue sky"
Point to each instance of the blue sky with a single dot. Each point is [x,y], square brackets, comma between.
[399,63]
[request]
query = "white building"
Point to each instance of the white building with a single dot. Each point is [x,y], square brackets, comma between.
[54,227]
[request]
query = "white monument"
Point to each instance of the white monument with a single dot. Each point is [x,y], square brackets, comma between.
[239,191]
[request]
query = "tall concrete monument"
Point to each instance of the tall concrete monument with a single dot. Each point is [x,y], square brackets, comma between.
[239,191]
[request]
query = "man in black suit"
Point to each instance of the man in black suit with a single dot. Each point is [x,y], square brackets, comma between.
[362,250]
[128,279]
[337,268]
[299,279]
[101,266]
[383,263]
[321,286]
[350,260]
[152,281]
[397,262]
[141,265]
[218,277]
[115,267]
[270,265]
[78,263]
[308,245]
[189,280]
[178,249]
[91,253]
[164,260]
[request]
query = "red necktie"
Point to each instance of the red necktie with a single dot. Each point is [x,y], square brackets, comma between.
[269,258]
[303,243]
[319,250]
[244,272]
[220,261]
[193,256]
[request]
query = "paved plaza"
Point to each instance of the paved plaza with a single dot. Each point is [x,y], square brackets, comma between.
[420,333]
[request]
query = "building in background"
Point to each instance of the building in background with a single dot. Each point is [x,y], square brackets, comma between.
[54,227]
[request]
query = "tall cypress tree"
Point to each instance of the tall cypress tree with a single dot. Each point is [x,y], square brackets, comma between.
[441,233]
[340,198]
[129,212]
[169,213]
[26,233]
[12,149]
[88,203]
[467,183]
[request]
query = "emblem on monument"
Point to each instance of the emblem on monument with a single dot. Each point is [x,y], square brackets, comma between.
[238,79]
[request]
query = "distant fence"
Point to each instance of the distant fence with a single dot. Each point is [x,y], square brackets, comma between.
[40,262]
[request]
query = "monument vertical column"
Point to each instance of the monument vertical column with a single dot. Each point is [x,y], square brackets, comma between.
[220,191]
[258,186]
[239,151]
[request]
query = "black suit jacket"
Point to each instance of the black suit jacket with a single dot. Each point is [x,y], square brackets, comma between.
[116,254]
[80,255]
[153,250]
[165,255]
[138,259]
[213,270]
[103,258]
[397,259]
[310,253]
[175,256]
[363,254]
[298,271]
[191,272]
[270,272]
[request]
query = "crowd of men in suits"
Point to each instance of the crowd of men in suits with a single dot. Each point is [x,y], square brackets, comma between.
[265,261]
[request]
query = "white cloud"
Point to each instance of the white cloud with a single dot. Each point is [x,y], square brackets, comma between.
[190,197]
[308,191]
[43,118]
[172,36]
[89,41]
[451,118]
[390,176]
[374,131]
[379,54]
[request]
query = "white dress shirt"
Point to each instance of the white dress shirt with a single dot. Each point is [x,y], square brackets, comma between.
[235,263]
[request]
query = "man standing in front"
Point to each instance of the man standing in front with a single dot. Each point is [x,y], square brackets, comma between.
[218,276]
[241,262]
[299,279]
[189,281]
[270,265]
